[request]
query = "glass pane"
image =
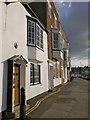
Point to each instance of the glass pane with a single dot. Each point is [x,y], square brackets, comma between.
[31,73]
[31,32]
[36,80]
[31,80]
[33,41]
[39,37]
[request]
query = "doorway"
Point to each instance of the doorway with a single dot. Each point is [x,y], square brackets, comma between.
[16,84]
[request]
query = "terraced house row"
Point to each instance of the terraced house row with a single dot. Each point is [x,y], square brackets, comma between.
[34,51]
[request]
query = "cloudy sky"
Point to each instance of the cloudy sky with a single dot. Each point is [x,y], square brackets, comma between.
[74,18]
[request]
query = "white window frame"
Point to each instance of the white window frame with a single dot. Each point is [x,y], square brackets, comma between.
[31,34]
[55,31]
[31,83]
[54,41]
[35,76]
[40,41]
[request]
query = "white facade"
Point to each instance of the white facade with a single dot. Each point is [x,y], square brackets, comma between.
[0,56]
[14,31]
[3,70]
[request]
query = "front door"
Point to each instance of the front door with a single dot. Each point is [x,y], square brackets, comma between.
[16,84]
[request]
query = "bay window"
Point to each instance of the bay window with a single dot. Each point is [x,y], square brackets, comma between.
[34,34]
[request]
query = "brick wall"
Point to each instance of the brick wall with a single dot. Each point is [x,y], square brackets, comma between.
[51,22]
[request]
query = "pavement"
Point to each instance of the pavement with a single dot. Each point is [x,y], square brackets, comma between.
[70,102]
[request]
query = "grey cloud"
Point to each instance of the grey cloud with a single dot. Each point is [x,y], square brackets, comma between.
[75,23]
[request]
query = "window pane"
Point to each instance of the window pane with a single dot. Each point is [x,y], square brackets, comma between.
[36,74]
[31,32]
[31,80]
[55,41]
[31,73]
[36,80]
[39,35]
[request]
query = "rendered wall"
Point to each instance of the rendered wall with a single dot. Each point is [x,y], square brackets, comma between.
[3,64]
[16,32]
[0,55]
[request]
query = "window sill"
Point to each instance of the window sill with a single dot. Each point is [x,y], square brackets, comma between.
[36,47]
[35,84]
[56,49]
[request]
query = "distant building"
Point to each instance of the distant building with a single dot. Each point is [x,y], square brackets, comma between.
[83,72]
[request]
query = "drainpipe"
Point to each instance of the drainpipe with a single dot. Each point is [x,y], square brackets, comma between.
[48,76]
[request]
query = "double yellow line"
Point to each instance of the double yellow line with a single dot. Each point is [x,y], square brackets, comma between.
[37,104]
[42,99]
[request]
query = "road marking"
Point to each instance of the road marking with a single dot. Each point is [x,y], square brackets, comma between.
[37,104]
[42,99]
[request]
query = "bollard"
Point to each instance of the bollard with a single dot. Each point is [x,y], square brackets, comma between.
[22,104]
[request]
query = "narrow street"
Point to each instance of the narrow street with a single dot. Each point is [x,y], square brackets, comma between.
[70,102]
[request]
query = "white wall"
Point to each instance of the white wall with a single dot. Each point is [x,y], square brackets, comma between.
[57,81]
[0,55]
[65,76]
[35,90]
[16,31]
[3,64]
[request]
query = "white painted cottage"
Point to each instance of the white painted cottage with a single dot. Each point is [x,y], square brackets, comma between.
[23,54]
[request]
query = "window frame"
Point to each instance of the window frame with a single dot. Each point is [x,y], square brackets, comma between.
[54,41]
[40,39]
[35,35]
[31,32]
[39,76]
[55,31]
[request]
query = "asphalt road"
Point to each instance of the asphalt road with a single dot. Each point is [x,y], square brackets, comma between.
[70,102]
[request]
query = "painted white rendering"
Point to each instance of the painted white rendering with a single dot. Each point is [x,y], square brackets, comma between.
[3,64]
[15,33]
[0,55]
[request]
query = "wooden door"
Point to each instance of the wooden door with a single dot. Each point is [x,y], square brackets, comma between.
[16,84]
